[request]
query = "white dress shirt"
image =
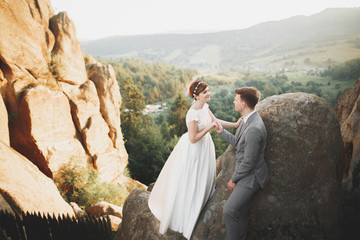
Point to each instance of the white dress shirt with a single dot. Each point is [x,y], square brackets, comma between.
[247,117]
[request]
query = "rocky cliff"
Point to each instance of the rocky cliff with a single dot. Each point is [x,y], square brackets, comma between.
[54,107]
[348,111]
[303,198]
[24,188]
[59,108]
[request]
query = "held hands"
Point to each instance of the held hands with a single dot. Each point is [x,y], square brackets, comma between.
[213,124]
[218,127]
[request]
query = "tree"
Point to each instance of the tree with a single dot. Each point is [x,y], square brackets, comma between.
[147,154]
[269,90]
[343,72]
[131,109]
[177,115]
[144,142]
[168,80]
[133,99]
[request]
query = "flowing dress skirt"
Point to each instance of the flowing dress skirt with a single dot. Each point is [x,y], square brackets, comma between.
[184,185]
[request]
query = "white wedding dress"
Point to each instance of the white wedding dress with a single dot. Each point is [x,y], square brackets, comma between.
[186,181]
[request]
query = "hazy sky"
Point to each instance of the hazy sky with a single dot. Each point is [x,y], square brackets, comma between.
[98,19]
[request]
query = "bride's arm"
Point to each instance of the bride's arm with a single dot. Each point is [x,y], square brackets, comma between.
[193,133]
[223,122]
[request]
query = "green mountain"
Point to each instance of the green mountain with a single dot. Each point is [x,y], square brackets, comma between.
[301,42]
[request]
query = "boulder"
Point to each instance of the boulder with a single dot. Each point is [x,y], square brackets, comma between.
[114,222]
[44,132]
[67,55]
[138,221]
[302,199]
[107,209]
[25,188]
[89,60]
[77,210]
[4,128]
[104,208]
[348,112]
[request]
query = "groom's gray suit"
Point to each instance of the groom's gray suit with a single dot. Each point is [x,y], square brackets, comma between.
[250,173]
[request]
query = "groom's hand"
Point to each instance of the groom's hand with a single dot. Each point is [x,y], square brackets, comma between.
[231,185]
[219,128]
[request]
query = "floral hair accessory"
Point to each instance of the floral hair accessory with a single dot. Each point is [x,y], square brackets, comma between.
[196,87]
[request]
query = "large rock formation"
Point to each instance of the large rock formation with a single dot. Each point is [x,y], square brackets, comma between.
[303,197]
[110,102]
[44,131]
[4,129]
[3,83]
[25,188]
[110,99]
[55,111]
[25,39]
[67,55]
[348,111]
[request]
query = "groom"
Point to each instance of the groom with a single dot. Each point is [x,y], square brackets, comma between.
[251,172]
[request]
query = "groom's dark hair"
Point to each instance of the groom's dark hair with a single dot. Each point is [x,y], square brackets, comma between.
[250,95]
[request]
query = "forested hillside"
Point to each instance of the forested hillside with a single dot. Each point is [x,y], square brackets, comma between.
[156,81]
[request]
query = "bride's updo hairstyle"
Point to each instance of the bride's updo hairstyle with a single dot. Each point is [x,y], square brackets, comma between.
[197,87]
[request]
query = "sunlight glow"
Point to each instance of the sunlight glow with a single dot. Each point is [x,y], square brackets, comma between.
[98,19]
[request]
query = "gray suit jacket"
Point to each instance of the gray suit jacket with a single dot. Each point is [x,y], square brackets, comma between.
[250,148]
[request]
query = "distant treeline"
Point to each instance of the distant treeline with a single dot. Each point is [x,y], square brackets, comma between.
[156,81]
[328,85]
[346,71]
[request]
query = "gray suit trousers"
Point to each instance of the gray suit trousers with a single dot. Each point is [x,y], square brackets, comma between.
[236,210]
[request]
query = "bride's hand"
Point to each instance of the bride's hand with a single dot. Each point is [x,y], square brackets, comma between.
[212,124]
[238,122]
[215,124]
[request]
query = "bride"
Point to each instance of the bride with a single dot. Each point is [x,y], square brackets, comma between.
[187,179]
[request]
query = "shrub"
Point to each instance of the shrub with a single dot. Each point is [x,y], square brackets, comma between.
[81,185]
[55,66]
